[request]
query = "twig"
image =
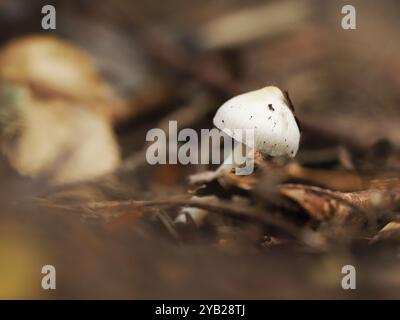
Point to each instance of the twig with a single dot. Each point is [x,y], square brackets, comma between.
[185,200]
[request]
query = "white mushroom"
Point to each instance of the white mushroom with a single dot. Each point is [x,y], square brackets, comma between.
[269,112]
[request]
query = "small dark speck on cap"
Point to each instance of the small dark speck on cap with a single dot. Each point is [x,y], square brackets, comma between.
[251,117]
[223,121]
[269,118]
[271,107]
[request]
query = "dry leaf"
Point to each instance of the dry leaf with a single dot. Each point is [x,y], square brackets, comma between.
[389,233]
[322,204]
[318,203]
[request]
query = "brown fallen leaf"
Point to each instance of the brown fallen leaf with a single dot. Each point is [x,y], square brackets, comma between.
[322,204]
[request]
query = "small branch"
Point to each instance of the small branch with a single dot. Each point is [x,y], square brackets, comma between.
[185,200]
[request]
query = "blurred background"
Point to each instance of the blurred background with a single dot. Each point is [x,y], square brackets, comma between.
[76,104]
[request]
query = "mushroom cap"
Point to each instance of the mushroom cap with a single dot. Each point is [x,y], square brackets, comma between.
[268,112]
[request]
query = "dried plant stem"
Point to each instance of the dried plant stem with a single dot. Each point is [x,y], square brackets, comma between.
[185,200]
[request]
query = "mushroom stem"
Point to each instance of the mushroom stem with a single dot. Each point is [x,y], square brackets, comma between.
[230,162]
